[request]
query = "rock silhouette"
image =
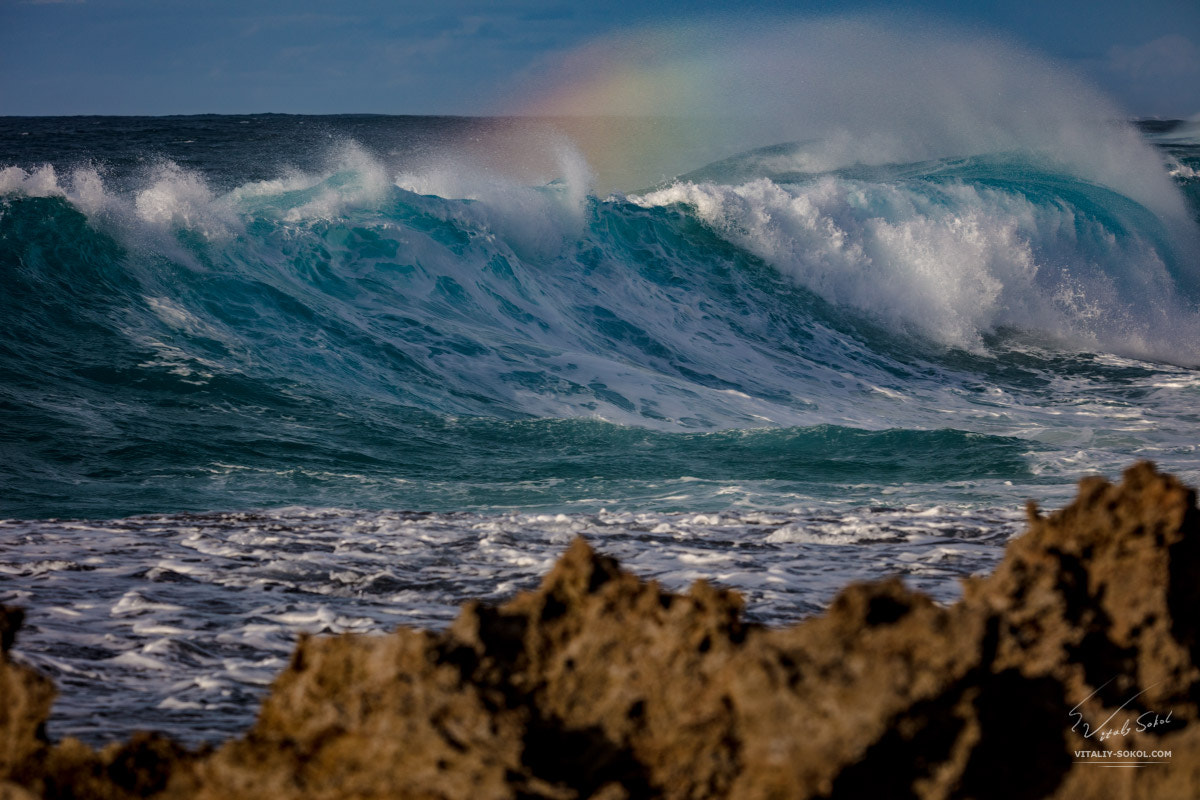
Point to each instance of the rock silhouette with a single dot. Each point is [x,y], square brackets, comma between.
[601,685]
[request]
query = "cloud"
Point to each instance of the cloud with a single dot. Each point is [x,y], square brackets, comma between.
[1172,56]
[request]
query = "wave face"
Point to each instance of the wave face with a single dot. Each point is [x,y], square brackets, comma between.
[218,313]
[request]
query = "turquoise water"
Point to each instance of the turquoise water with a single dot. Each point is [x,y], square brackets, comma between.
[350,371]
[181,336]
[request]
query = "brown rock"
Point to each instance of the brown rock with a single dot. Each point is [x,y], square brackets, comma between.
[372,716]
[600,685]
[25,699]
[11,791]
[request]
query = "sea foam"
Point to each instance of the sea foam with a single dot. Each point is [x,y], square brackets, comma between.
[955,261]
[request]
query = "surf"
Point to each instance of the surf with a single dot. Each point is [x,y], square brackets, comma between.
[311,310]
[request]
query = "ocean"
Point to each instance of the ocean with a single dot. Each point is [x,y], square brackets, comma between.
[268,374]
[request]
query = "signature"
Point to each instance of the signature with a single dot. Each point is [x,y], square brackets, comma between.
[1127,724]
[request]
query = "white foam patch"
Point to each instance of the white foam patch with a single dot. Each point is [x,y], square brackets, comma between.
[1177,169]
[955,262]
[178,198]
[41,182]
[167,198]
[533,213]
[535,220]
[353,179]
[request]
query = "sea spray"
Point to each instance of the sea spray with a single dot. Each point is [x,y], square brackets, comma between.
[867,90]
[959,249]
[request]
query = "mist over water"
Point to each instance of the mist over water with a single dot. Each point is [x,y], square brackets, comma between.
[865,90]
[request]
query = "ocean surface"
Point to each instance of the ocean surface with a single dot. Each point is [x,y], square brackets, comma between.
[268,374]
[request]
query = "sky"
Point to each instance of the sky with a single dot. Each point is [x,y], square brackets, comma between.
[465,56]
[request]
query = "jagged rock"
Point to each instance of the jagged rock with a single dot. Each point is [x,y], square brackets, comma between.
[25,699]
[1105,593]
[372,716]
[601,685]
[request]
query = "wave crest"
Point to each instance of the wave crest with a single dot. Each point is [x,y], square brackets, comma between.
[957,260]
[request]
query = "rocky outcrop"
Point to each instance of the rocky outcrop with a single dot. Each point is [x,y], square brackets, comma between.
[598,684]
[25,698]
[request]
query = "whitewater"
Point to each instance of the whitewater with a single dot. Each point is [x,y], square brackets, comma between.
[267,374]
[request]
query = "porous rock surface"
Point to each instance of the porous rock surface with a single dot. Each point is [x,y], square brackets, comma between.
[601,685]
